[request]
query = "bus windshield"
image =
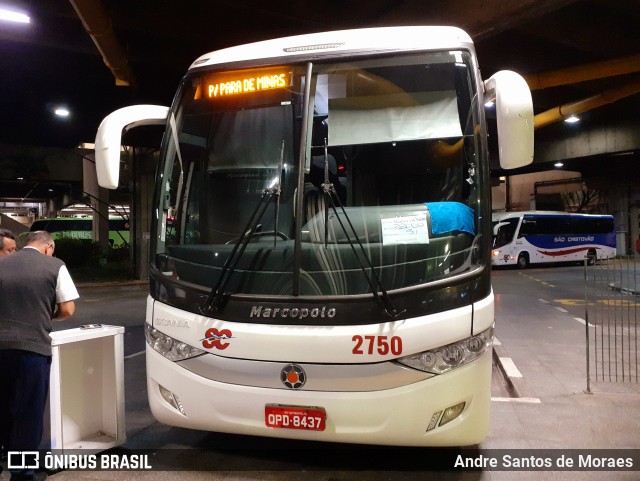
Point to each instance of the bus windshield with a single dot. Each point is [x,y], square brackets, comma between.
[298,185]
[504,231]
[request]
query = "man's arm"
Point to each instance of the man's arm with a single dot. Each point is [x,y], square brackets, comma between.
[65,309]
[66,292]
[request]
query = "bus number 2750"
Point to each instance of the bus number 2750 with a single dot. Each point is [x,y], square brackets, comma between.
[382,345]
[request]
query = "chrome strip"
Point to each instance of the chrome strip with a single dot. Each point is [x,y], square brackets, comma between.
[320,377]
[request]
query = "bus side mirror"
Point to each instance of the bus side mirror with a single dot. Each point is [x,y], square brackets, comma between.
[514,115]
[109,138]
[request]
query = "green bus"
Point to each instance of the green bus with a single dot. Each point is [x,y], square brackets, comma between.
[81,228]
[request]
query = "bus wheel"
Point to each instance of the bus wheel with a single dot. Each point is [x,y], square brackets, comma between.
[523,260]
[591,257]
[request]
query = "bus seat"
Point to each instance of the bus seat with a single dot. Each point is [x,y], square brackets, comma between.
[317,177]
[314,200]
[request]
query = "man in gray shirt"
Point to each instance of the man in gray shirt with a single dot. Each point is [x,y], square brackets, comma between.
[36,289]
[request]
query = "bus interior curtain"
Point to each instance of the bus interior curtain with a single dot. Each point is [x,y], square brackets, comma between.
[388,118]
[250,139]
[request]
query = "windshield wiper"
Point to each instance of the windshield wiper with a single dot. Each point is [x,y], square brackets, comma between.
[377,288]
[216,298]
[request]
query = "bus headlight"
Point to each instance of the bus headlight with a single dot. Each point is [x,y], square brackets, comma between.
[445,358]
[495,252]
[169,347]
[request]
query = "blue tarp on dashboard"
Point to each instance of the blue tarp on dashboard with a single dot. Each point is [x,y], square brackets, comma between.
[451,217]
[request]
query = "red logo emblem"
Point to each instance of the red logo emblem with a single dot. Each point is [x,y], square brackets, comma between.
[293,376]
[214,338]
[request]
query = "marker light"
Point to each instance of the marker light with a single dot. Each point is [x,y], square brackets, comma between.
[434,420]
[572,119]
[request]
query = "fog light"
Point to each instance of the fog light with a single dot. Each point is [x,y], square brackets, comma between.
[451,413]
[171,399]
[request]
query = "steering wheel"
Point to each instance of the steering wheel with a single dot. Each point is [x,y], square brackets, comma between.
[261,234]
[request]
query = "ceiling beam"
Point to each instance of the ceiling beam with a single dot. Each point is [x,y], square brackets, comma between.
[564,111]
[583,73]
[97,24]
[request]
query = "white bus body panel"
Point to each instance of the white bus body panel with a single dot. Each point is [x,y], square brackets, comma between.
[509,254]
[370,40]
[334,344]
[395,416]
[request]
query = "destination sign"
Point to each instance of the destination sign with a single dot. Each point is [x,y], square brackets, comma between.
[224,85]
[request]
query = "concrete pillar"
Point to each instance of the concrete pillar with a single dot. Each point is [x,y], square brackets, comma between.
[634,235]
[620,202]
[143,168]
[99,198]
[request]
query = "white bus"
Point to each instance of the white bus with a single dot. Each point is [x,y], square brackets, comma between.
[533,237]
[321,238]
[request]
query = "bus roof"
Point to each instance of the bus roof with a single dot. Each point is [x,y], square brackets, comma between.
[369,40]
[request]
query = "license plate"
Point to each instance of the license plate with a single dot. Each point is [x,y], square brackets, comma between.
[295,417]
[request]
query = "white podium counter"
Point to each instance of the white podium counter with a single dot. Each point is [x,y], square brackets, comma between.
[86,395]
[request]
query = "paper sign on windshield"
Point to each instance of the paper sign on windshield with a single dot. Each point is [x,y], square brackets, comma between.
[405,229]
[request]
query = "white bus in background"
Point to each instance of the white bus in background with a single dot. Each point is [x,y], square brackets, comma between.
[533,237]
[321,238]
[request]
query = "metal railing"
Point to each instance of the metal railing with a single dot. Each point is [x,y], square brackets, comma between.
[612,298]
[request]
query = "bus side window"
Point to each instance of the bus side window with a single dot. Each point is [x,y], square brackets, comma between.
[528,227]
